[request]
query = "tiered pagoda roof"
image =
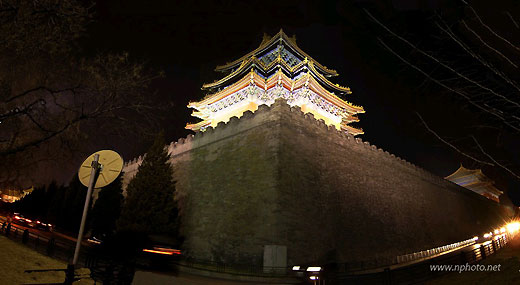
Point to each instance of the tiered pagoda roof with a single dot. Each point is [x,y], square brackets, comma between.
[277,68]
[476,181]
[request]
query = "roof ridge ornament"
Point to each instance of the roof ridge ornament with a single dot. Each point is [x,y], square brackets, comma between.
[308,76]
[265,45]
[252,77]
[265,38]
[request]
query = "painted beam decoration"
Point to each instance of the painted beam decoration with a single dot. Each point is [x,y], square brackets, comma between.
[278,68]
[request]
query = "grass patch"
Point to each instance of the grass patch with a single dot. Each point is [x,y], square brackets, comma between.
[15,258]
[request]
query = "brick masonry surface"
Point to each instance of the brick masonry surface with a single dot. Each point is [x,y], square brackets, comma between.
[280,177]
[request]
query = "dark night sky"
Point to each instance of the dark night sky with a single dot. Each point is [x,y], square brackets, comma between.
[187,39]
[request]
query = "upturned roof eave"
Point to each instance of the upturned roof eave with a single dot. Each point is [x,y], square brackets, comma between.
[333,98]
[267,44]
[253,62]
[461,171]
[197,126]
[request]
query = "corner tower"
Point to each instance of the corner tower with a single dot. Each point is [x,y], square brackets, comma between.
[278,68]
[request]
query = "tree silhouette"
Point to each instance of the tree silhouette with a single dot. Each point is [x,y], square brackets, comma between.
[106,209]
[150,205]
[53,96]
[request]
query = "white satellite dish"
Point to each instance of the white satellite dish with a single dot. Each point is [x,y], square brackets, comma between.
[111,165]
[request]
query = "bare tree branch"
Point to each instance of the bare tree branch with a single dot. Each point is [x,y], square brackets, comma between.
[490,29]
[39,63]
[492,159]
[439,62]
[474,71]
[487,45]
[512,20]
[40,88]
[500,74]
[451,145]
[486,110]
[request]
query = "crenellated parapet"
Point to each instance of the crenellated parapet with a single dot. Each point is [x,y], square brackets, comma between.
[344,137]
[133,165]
[184,145]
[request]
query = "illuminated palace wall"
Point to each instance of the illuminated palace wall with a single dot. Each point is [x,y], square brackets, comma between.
[279,177]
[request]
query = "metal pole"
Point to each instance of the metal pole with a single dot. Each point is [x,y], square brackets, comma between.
[92,182]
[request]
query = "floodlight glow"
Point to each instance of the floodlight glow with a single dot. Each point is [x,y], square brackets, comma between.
[475,238]
[486,235]
[513,227]
[497,231]
[296,268]
[502,230]
[314,277]
[314,269]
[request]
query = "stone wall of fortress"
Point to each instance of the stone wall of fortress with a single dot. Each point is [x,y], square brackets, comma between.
[280,177]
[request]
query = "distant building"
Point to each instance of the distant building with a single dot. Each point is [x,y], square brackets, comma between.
[13,195]
[476,181]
